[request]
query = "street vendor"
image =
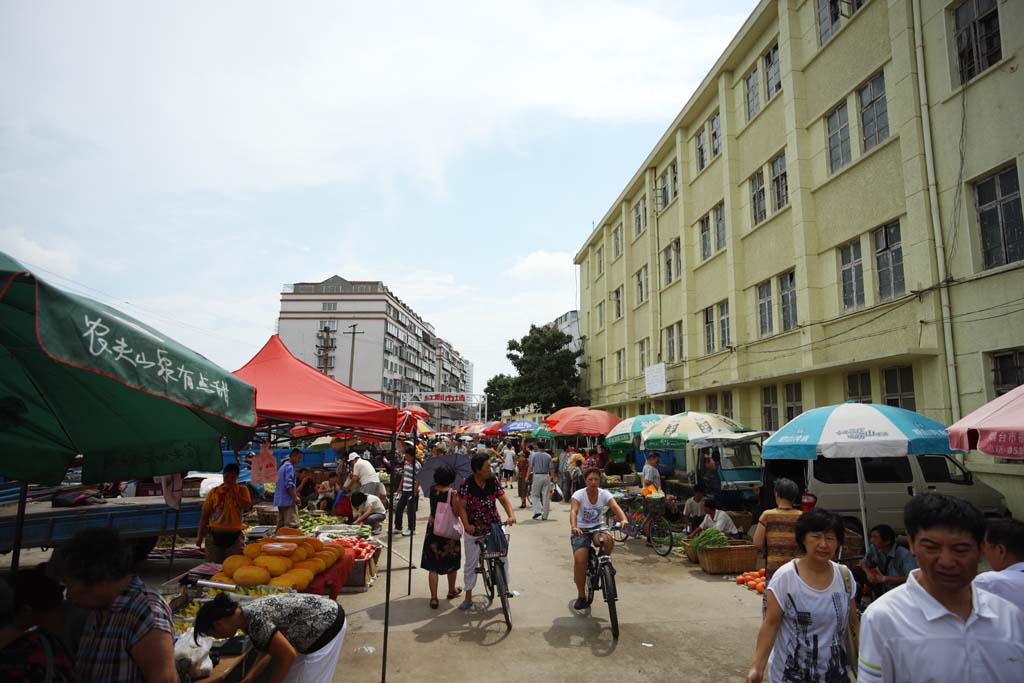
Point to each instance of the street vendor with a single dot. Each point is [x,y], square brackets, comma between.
[693,508]
[368,509]
[303,633]
[886,564]
[720,519]
[362,476]
[651,475]
[220,526]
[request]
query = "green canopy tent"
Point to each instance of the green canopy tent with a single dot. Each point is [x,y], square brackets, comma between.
[80,377]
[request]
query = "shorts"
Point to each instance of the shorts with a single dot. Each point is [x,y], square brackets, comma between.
[583,540]
[508,473]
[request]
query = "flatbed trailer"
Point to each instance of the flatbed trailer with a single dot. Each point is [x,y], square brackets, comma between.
[142,519]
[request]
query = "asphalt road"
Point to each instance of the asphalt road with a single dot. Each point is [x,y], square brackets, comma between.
[676,622]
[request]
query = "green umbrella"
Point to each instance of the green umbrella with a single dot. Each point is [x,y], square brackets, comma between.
[543,433]
[79,377]
[622,435]
[676,431]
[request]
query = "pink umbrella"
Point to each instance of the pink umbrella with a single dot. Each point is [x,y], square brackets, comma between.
[587,423]
[996,428]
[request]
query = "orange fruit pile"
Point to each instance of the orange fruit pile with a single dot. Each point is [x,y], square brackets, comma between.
[752,580]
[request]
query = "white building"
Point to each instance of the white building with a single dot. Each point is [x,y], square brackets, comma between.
[395,350]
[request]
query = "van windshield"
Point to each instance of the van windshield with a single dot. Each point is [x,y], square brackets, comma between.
[734,456]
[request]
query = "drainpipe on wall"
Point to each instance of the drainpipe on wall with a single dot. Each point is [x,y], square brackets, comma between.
[933,201]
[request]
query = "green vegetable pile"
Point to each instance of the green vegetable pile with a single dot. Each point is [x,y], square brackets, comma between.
[709,538]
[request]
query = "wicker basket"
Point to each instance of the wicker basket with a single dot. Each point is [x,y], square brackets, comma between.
[654,505]
[730,559]
[691,554]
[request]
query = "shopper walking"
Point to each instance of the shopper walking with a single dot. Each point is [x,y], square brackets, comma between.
[508,467]
[542,469]
[523,477]
[775,533]
[408,502]
[441,555]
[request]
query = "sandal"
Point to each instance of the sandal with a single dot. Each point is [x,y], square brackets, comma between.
[455,593]
[465,605]
[434,603]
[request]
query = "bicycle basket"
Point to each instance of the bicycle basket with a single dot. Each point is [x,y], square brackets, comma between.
[496,542]
[654,505]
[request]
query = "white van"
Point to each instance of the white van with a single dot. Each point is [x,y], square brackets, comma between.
[831,483]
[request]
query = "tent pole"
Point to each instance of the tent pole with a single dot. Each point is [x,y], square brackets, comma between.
[863,511]
[174,545]
[19,526]
[413,496]
[387,587]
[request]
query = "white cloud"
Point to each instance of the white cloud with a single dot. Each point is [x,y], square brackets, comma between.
[62,261]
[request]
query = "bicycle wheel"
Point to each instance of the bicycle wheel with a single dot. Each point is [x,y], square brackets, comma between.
[609,521]
[488,578]
[591,582]
[610,596]
[660,536]
[501,585]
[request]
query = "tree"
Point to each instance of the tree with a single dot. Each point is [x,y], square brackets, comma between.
[497,390]
[548,375]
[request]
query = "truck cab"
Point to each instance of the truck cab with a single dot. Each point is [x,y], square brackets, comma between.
[731,472]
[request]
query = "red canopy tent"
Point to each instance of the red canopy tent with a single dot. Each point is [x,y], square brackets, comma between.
[288,390]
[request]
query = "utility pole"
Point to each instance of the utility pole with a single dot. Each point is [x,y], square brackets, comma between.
[352,353]
[324,348]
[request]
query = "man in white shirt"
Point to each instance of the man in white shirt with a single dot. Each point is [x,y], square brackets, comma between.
[1004,550]
[938,626]
[368,509]
[364,476]
[720,519]
[651,476]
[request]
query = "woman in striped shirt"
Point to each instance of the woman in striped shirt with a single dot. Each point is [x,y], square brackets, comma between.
[776,531]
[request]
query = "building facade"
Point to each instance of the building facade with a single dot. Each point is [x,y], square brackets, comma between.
[834,215]
[395,350]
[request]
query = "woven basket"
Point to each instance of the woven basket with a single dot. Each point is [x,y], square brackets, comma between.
[654,505]
[691,554]
[731,559]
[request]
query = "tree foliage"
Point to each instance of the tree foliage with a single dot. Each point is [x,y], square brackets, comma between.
[498,390]
[548,374]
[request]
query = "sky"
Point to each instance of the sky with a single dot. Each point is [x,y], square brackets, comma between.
[183,161]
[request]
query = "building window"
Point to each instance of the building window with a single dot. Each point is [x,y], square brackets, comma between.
[764,308]
[617,241]
[709,329]
[858,387]
[716,134]
[676,406]
[1007,370]
[677,255]
[600,260]
[723,324]
[663,196]
[331,325]
[642,349]
[719,214]
[642,285]
[852,275]
[679,341]
[668,263]
[711,403]
[899,387]
[838,138]
[997,198]
[794,400]
[600,371]
[787,296]
[780,184]
[705,238]
[874,116]
[620,365]
[670,343]
[617,301]
[701,147]
[759,212]
[329,306]
[889,261]
[769,407]
[674,169]
[753,98]
[600,315]
[772,74]
[726,404]
[673,262]
[976,32]
[828,19]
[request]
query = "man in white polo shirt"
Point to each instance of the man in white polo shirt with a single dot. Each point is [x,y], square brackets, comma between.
[1004,550]
[938,626]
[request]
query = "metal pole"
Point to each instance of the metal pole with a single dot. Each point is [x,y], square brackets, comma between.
[412,496]
[174,544]
[19,526]
[387,586]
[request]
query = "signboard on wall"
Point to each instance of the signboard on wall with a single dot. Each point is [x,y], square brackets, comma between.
[654,379]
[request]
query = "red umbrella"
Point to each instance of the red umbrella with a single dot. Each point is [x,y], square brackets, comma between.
[996,428]
[491,428]
[563,413]
[419,411]
[587,423]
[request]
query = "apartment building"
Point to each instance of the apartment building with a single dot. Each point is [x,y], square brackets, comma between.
[834,215]
[395,350]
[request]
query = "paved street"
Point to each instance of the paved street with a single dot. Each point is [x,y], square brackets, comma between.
[675,620]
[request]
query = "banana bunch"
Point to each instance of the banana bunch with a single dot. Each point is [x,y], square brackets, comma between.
[190,610]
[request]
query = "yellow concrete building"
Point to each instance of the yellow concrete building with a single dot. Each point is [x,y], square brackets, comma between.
[834,215]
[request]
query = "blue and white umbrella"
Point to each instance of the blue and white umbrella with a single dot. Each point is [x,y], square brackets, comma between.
[519,426]
[857,430]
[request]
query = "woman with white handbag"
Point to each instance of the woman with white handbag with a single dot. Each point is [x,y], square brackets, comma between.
[442,547]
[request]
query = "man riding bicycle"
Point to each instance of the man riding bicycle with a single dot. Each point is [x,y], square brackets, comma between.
[585,520]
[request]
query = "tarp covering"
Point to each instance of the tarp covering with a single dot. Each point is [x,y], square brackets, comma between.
[288,390]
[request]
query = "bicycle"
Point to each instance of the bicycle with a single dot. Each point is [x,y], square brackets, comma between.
[651,516]
[492,570]
[601,575]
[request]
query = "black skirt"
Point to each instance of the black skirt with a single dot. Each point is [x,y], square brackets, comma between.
[440,554]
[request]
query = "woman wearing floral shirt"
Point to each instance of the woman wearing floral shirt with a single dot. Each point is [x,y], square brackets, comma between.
[476,505]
